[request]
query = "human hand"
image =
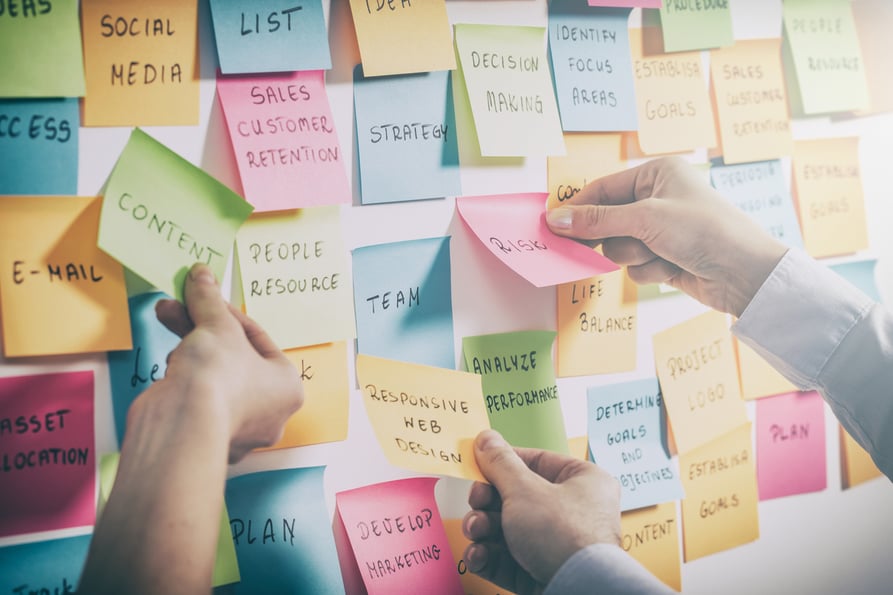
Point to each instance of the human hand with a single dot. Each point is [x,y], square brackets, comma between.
[666,224]
[539,509]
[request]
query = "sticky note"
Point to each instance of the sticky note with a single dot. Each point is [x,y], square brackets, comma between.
[509,87]
[874,20]
[591,65]
[471,582]
[406,137]
[760,190]
[425,418]
[751,101]
[719,511]
[651,536]
[790,444]
[295,280]
[597,325]
[520,392]
[513,227]
[270,36]
[47,445]
[629,3]
[822,46]
[757,377]
[675,114]
[626,438]
[141,62]
[281,529]
[399,37]
[695,25]
[39,143]
[589,156]
[161,214]
[699,379]
[578,446]
[828,188]
[403,301]
[284,139]
[65,295]
[31,66]
[856,466]
[52,566]
[134,370]
[397,538]
[861,274]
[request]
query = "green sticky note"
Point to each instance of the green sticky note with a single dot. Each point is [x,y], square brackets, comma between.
[40,49]
[696,25]
[161,214]
[518,380]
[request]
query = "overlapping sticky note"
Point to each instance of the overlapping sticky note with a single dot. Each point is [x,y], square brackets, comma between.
[719,511]
[399,37]
[695,25]
[39,144]
[161,214]
[141,62]
[403,301]
[651,536]
[396,538]
[47,445]
[589,157]
[874,21]
[52,566]
[597,325]
[40,50]
[790,444]
[406,137]
[280,527]
[295,280]
[60,293]
[627,438]
[699,379]
[758,378]
[856,466]
[513,227]
[751,101]
[828,189]
[673,104]
[509,87]
[471,582]
[520,392]
[284,139]
[861,274]
[589,51]
[425,418]
[269,36]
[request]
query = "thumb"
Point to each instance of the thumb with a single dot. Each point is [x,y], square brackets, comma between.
[499,462]
[204,303]
[597,222]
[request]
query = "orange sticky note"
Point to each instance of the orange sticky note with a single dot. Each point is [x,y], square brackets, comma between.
[758,378]
[719,511]
[828,192]
[589,156]
[874,21]
[751,101]
[856,466]
[674,108]
[471,583]
[578,447]
[425,418]
[651,536]
[699,379]
[61,294]
[140,62]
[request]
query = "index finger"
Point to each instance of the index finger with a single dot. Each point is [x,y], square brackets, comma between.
[552,466]
[626,186]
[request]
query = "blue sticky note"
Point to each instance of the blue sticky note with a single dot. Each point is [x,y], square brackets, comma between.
[592,67]
[282,531]
[759,189]
[39,144]
[270,35]
[403,301]
[44,566]
[406,137]
[860,274]
[626,438]
[133,371]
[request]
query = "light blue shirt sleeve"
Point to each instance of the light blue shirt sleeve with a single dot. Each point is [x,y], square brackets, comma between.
[607,570]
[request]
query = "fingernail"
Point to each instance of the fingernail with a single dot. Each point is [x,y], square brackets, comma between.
[561,218]
[202,274]
[476,557]
[490,439]
[469,523]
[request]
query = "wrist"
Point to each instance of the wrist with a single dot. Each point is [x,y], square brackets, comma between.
[754,268]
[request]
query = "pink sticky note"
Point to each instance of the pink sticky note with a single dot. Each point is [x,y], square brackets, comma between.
[513,227]
[627,3]
[790,440]
[47,457]
[284,139]
[397,538]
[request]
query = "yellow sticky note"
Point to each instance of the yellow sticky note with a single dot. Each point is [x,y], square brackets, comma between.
[425,418]
[61,294]
[874,21]
[751,101]
[674,108]
[758,378]
[719,511]
[578,447]
[141,62]
[597,325]
[828,192]
[472,584]
[401,36]
[589,156]
[651,536]
[698,377]
[856,466]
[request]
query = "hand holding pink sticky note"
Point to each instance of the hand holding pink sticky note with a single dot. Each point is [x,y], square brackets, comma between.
[513,227]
